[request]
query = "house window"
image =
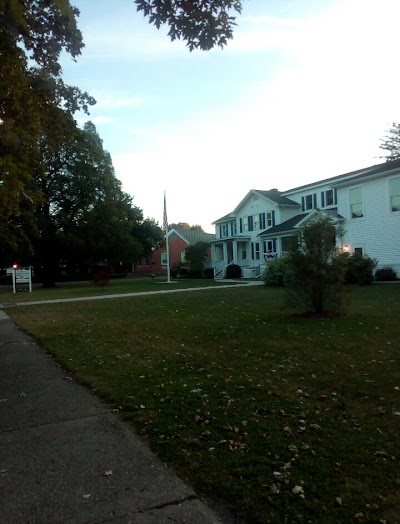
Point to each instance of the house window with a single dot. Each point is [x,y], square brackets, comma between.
[309,202]
[257,250]
[358,250]
[287,244]
[233,228]
[328,198]
[256,221]
[268,246]
[245,224]
[244,253]
[356,202]
[224,230]
[183,257]
[271,219]
[394,194]
[163,259]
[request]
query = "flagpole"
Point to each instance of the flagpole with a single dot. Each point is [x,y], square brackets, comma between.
[166,238]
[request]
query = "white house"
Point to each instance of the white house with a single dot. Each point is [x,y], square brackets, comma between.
[366,202]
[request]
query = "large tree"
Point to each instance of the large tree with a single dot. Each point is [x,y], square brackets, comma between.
[32,36]
[391,143]
[84,215]
[202,24]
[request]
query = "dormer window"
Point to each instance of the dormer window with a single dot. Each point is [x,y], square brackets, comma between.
[328,198]
[309,202]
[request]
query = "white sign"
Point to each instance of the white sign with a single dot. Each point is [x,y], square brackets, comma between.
[22,276]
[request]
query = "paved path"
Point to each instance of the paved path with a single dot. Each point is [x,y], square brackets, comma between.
[64,458]
[125,295]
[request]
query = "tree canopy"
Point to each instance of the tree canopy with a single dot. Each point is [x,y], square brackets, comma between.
[203,24]
[391,143]
[184,226]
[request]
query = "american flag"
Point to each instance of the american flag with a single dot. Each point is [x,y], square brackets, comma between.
[165,213]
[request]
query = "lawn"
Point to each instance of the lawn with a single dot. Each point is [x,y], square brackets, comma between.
[117,286]
[289,419]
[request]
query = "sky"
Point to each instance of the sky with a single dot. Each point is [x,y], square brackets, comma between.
[305,90]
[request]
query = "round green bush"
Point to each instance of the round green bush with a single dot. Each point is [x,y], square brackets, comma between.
[277,273]
[233,271]
[385,274]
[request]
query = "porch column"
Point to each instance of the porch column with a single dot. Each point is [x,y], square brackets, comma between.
[235,251]
[225,248]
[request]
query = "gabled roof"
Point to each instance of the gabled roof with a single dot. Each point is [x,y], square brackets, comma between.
[346,178]
[229,216]
[192,237]
[289,226]
[285,227]
[273,194]
[276,196]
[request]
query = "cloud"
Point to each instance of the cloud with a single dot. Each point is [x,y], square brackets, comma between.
[119,100]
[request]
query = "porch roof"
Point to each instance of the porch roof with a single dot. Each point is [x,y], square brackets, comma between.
[285,227]
[239,238]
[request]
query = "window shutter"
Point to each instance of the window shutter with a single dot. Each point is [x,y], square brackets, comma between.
[273,218]
[220,231]
[250,218]
[265,246]
[262,220]
[241,225]
[335,196]
[303,207]
[274,245]
[315,201]
[323,199]
[252,250]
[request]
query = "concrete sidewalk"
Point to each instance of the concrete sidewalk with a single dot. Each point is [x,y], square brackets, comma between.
[66,458]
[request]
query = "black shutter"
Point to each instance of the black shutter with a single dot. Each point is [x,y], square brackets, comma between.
[252,250]
[274,245]
[273,217]
[250,219]
[315,201]
[303,207]
[335,196]
[323,199]
[241,225]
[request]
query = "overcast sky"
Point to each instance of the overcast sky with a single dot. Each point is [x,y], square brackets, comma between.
[304,91]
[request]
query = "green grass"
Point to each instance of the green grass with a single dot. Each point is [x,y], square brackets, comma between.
[83,289]
[247,400]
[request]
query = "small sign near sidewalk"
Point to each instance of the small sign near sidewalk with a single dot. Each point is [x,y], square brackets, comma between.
[22,277]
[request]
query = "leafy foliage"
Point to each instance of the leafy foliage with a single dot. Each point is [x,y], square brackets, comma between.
[195,256]
[318,270]
[278,273]
[391,142]
[233,271]
[385,274]
[203,24]
[360,269]
[32,36]
[184,226]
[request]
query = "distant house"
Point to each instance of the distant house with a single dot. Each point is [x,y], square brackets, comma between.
[366,202]
[178,240]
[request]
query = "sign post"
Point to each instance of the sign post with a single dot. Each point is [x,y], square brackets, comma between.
[22,276]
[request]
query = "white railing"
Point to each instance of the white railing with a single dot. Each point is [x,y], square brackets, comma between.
[219,271]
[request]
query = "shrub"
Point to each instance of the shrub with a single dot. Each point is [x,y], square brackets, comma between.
[318,269]
[233,271]
[101,278]
[208,272]
[360,269]
[277,273]
[385,274]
